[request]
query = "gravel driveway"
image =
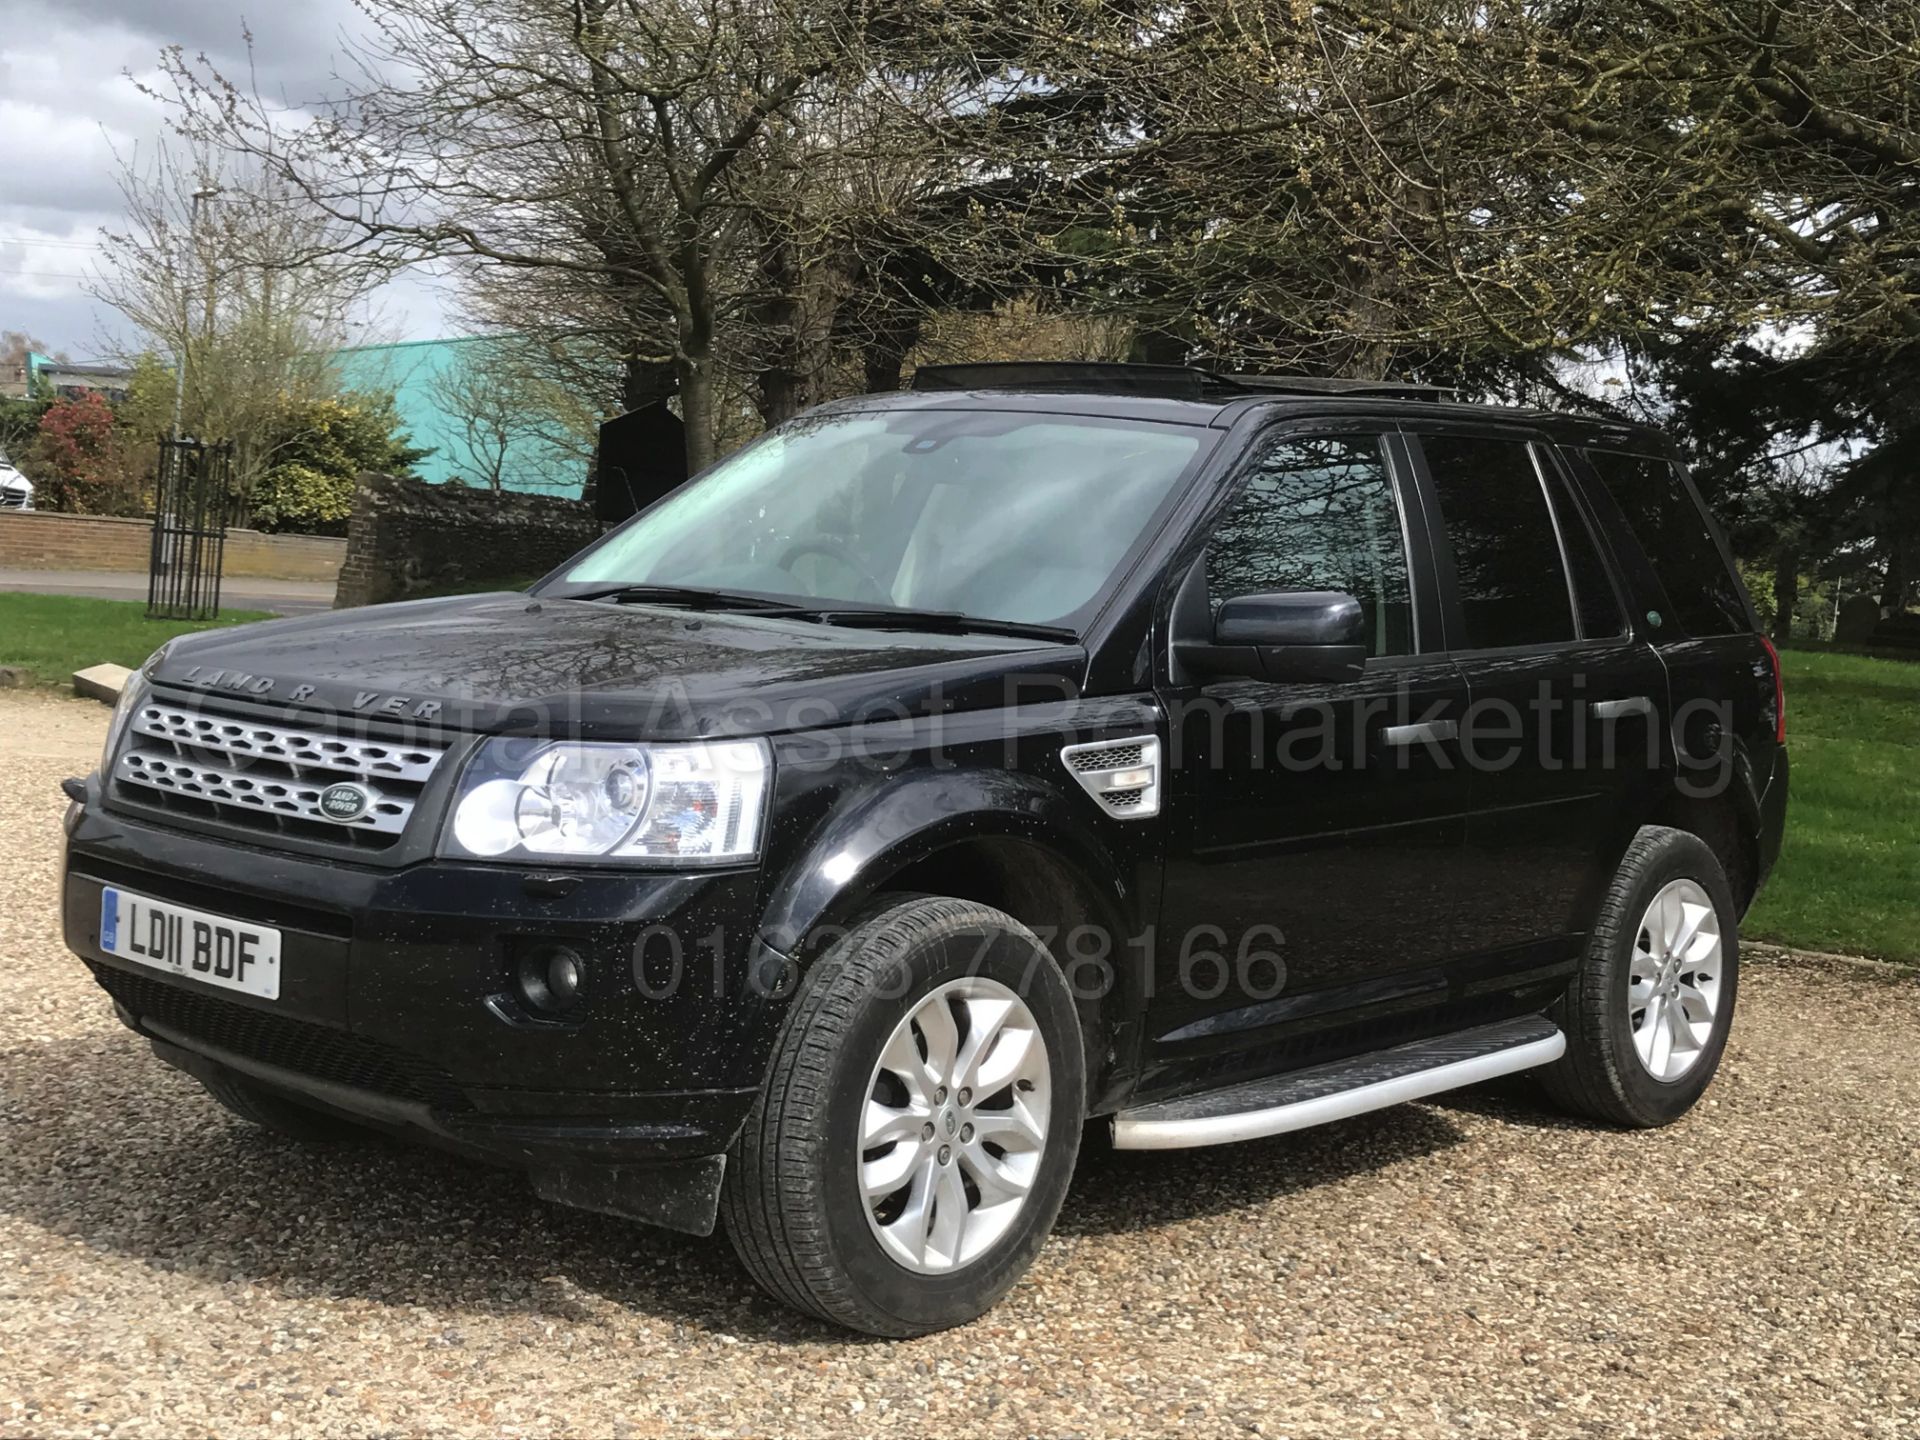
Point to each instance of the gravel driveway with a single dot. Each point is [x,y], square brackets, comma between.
[1475,1266]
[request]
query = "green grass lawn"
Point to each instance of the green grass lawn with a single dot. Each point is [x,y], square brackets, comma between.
[52,636]
[1849,877]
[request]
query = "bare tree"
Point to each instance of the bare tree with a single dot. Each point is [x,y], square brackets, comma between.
[625,149]
[239,287]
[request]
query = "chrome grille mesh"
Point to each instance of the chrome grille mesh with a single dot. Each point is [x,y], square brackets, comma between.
[270,777]
[303,748]
[263,793]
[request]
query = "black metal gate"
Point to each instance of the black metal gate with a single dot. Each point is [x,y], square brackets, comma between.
[189,530]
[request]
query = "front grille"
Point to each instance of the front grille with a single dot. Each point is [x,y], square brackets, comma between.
[271,777]
[285,1043]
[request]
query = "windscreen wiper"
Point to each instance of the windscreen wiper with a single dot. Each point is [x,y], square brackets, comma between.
[954,622]
[692,597]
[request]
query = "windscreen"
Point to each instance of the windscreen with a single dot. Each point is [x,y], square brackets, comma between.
[1010,516]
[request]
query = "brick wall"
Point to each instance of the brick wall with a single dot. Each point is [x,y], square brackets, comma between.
[43,540]
[408,537]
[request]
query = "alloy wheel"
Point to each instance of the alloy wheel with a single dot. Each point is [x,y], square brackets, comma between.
[955,1125]
[1674,980]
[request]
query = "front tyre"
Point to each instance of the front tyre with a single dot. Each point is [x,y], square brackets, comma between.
[1647,1016]
[917,1132]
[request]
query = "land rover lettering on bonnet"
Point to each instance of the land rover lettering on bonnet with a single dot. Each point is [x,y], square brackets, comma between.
[819,851]
[372,702]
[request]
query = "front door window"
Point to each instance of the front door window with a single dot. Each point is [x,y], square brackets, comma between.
[1318,513]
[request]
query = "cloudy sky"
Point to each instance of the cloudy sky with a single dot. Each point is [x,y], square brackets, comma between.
[66,106]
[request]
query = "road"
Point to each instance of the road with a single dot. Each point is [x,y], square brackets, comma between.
[1477,1267]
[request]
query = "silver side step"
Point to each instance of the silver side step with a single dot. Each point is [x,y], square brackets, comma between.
[1325,1093]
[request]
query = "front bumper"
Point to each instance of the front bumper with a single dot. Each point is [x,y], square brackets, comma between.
[398,1004]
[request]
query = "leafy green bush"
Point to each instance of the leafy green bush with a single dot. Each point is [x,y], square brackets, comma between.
[299,497]
[320,446]
[19,424]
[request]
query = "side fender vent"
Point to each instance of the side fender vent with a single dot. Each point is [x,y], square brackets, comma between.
[1123,775]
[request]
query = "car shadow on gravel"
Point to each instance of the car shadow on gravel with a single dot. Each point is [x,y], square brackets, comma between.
[1517,1101]
[1115,1191]
[118,1152]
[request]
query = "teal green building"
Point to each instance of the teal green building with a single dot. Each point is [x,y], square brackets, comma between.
[423,376]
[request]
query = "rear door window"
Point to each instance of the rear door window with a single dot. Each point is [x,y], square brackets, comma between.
[1705,597]
[1509,570]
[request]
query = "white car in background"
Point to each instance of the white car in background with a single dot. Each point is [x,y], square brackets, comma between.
[16,491]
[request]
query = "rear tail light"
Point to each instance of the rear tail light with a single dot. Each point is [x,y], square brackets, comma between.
[1779,695]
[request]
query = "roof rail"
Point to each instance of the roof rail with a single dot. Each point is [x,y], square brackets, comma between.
[1105,376]
[1336,385]
[1180,382]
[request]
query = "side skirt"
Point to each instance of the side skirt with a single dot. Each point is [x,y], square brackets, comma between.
[1276,1104]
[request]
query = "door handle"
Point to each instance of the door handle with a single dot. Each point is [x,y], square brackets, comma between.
[1430,733]
[1620,709]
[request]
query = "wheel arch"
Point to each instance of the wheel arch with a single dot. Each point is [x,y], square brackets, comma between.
[1039,854]
[1728,822]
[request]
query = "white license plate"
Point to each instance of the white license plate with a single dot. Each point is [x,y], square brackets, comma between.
[228,953]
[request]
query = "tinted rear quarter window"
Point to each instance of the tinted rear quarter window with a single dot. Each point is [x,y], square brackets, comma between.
[1703,593]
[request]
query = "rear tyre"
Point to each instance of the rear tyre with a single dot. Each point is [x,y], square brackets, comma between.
[270,1111]
[1647,1016]
[911,1148]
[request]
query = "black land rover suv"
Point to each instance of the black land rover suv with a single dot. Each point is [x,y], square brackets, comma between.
[823,847]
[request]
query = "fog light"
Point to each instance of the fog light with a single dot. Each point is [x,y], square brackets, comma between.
[550,979]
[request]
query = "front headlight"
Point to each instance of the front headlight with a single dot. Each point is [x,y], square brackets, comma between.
[131,696]
[551,799]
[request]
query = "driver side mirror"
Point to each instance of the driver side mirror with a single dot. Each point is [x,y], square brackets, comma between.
[1298,635]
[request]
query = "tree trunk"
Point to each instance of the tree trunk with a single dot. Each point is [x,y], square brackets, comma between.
[806,292]
[884,355]
[780,388]
[695,376]
[693,362]
[882,365]
[1786,593]
[1893,593]
[782,395]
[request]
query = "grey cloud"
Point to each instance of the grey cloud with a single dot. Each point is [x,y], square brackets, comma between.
[66,105]
[293,39]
